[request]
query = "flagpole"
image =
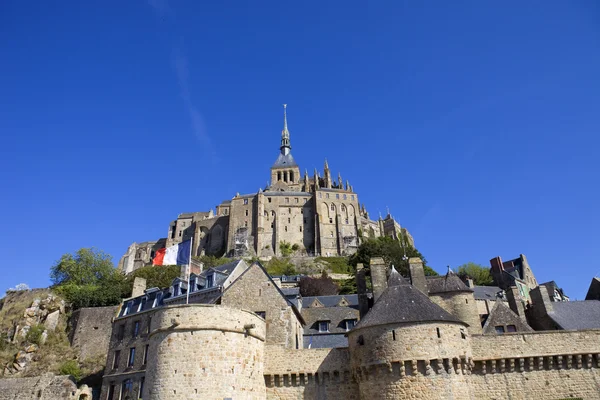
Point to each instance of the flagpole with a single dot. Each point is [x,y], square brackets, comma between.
[189,268]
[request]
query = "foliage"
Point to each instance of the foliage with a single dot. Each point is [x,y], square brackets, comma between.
[34,334]
[156,276]
[295,247]
[212,261]
[336,265]
[347,286]
[4,342]
[280,266]
[88,279]
[480,274]
[285,248]
[72,368]
[321,286]
[392,251]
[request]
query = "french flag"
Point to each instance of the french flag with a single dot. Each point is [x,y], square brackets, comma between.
[174,255]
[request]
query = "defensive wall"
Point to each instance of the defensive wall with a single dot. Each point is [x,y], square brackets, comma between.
[536,365]
[91,329]
[44,387]
[207,352]
[323,374]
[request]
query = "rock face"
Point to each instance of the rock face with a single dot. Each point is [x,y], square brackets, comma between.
[51,321]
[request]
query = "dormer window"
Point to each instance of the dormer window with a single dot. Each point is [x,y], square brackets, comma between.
[176,289]
[350,323]
[127,308]
[157,300]
[142,304]
[210,280]
[192,285]
[323,326]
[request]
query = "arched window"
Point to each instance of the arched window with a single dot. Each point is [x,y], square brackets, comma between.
[291,176]
[285,176]
[279,176]
[343,208]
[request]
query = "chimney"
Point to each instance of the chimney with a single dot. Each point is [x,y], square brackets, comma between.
[515,302]
[541,299]
[417,274]
[361,285]
[139,286]
[378,277]
[496,264]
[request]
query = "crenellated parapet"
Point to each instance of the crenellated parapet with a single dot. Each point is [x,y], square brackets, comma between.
[539,363]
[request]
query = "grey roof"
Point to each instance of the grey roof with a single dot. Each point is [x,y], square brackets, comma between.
[331,301]
[293,291]
[404,304]
[594,290]
[335,315]
[325,341]
[576,315]
[447,283]
[487,292]
[501,315]
[285,161]
[286,193]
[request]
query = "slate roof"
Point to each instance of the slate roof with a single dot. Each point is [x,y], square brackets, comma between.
[335,315]
[487,292]
[285,161]
[576,315]
[447,283]
[594,290]
[331,301]
[404,303]
[325,341]
[291,292]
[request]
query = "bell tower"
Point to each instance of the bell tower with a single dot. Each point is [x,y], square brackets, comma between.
[285,173]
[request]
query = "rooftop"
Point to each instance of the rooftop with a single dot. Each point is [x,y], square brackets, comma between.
[576,315]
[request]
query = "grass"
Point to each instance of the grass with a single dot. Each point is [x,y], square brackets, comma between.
[336,265]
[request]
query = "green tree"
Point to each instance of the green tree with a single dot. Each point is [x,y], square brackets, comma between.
[88,278]
[212,261]
[156,276]
[392,251]
[480,274]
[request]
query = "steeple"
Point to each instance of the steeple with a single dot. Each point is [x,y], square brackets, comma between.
[285,134]
[327,175]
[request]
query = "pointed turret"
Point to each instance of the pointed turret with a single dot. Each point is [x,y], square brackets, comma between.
[327,175]
[340,181]
[306,184]
[347,185]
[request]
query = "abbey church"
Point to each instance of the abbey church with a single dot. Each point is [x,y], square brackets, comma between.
[318,215]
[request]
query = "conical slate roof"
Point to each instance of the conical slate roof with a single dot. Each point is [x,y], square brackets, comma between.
[402,303]
[448,283]
[284,160]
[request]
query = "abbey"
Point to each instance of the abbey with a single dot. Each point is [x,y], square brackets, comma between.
[321,215]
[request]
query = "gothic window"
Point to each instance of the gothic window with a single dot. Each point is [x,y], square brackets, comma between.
[278,177]
[266,213]
[343,208]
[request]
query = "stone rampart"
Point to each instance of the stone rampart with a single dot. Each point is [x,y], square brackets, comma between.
[205,351]
[309,374]
[45,387]
[537,365]
[91,329]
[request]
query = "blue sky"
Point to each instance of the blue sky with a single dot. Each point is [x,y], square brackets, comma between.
[476,122]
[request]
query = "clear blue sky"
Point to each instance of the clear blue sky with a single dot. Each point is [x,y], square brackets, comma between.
[478,124]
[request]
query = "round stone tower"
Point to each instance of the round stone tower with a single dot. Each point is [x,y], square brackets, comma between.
[205,352]
[409,347]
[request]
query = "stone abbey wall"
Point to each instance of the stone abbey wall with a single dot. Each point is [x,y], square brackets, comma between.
[91,329]
[204,351]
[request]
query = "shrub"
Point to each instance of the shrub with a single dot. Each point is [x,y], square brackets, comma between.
[285,248]
[34,334]
[280,266]
[72,368]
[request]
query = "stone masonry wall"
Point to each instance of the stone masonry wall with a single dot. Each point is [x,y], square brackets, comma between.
[256,292]
[45,387]
[462,305]
[91,329]
[205,352]
[537,365]
[309,374]
[418,361]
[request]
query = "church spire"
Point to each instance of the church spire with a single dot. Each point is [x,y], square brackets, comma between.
[285,134]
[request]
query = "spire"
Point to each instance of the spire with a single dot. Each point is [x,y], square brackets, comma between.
[285,134]
[326,165]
